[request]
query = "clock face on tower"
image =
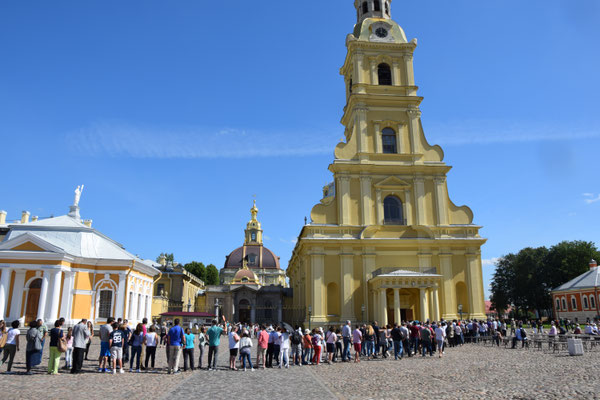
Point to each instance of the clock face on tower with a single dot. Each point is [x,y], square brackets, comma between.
[381,32]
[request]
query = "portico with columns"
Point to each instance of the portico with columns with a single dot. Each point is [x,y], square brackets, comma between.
[62,267]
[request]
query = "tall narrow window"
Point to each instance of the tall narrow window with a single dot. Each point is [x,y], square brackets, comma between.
[384,72]
[564,304]
[388,141]
[392,211]
[585,302]
[365,7]
[592,302]
[573,303]
[557,304]
[105,306]
[377,5]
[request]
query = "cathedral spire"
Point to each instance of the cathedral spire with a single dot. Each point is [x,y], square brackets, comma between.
[253,230]
[373,9]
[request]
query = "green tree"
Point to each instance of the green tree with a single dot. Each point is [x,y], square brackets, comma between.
[196,268]
[212,275]
[567,260]
[502,283]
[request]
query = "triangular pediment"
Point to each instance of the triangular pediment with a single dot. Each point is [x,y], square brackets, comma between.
[29,242]
[392,182]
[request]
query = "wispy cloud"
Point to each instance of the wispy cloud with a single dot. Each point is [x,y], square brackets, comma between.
[469,132]
[591,198]
[290,241]
[489,262]
[122,140]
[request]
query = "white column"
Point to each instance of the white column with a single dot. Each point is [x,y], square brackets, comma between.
[397,314]
[343,194]
[140,307]
[408,207]
[420,203]
[368,268]
[441,201]
[346,280]
[367,203]
[383,307]
[54,296]
[423,304]
[121,290]
[43,295]
[67,296]
[448,295]
[436,304]
[376,307]
[17,295]
[134,302]
[4,290]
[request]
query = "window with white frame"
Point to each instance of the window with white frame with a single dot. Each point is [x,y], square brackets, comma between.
[105,303]
[557,304]
[585,302]
[573,303]
[564,304]
[592,301]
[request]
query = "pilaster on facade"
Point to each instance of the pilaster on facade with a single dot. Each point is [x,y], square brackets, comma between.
[366,200]
[346,278]
[317,264]
[4,290]
[408,68]
[419,184]
[441,203]
[414,131]
[448,289]
[343,194]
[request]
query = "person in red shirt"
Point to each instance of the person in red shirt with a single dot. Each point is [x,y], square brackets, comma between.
[261,350]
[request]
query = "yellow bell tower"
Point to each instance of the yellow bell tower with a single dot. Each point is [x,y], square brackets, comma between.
[253,231]
[386,242]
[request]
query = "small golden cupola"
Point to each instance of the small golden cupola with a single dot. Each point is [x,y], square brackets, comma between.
[253,230]
[244,276]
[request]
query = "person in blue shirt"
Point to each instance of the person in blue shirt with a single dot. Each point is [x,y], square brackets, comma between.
[175,339]
[214,340]
[188,351]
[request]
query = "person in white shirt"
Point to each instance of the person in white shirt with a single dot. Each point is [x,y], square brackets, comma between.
[330,338]
[12,345]
[234,345]
[151,341]
[347,337]
[245,350]
[440,336]
[284,348]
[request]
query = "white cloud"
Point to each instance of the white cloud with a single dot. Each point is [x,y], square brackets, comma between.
[489,262]
[291,241]
[122,140]
[591,198]
[498,131]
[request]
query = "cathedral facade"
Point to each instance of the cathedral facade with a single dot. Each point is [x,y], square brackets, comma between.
[385,242]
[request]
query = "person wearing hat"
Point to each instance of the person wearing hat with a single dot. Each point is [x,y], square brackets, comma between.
[307,347]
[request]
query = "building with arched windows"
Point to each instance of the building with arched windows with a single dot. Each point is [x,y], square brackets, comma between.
[579,298]
[253,286]
[62,267]
[386,242]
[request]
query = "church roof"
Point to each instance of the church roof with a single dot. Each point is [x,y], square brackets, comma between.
[589,279]
[67,235]
[265,257]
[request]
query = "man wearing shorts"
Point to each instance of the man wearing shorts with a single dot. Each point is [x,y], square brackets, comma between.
[115,341]
[105,331]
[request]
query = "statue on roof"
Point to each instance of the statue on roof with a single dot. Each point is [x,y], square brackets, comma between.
[78,192]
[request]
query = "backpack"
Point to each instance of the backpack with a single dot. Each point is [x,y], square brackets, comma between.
[315,340]
[523,333]
[296,338]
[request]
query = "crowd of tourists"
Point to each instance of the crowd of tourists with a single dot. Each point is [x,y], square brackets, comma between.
[276,346]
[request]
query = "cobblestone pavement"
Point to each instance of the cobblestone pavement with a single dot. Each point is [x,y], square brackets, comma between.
[473,371]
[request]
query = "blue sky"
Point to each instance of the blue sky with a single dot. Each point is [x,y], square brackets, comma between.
[174,114]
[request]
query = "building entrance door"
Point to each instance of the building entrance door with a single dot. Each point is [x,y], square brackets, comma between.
[244,311]
[33,301]
[406,314]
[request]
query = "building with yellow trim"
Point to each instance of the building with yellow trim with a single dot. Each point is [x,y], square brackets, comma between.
[386,242]
[177,290]
[62,267]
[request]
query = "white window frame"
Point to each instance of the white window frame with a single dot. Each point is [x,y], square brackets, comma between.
[574,303]
[564,303]
[558,304]
[592,299]
[585,303]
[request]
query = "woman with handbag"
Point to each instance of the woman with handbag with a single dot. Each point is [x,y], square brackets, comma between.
[58,345]
[34,345]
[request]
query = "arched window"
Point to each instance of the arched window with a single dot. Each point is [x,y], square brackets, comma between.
[592,302]
[384,72]
[105,303]
[585,302]
[557,304]
[253,236]
[573,303]
[365,7]
[392,211]
[564,304]
[388,141]
[377,5]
